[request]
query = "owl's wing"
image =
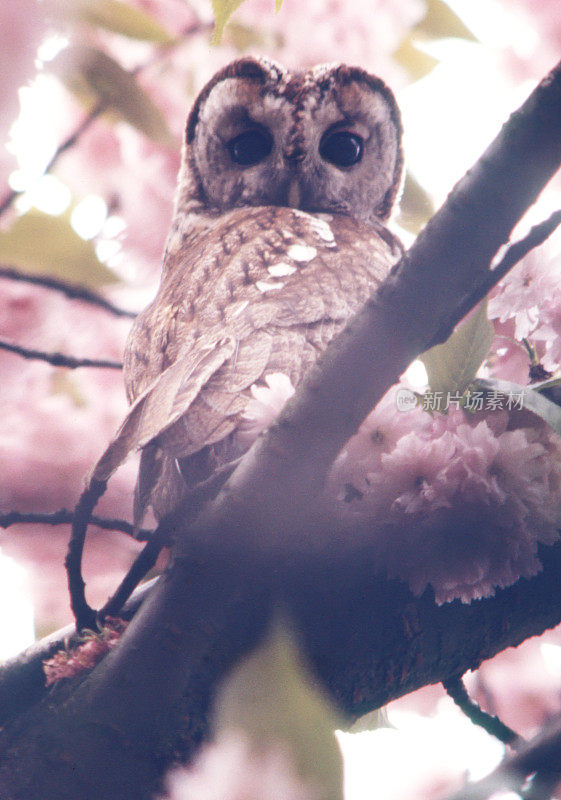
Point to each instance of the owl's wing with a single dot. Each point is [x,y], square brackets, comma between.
[163,402]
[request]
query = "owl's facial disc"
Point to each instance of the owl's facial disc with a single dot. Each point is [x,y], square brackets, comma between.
[327,140]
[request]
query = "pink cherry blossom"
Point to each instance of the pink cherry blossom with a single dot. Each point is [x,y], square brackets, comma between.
[174,17]
[543,15]
[519,295]
[530,299]
[231,770]
[519,685]
[508,358]
[265,404]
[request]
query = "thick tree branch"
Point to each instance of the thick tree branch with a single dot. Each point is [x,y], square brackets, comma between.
[251,548]
[369,639]
[22,679]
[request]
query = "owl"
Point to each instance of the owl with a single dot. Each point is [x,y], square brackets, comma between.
[277,239]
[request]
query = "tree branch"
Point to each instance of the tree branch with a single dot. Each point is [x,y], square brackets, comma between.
[82,515]
[144,562]
[64,517]
[456,689]
[58,359]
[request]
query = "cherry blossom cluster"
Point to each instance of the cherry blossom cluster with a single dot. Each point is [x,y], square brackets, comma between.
[459,501]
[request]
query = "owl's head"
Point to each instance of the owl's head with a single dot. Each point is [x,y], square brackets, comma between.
[325,140]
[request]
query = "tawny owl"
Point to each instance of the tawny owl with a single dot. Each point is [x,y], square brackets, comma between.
[278,237]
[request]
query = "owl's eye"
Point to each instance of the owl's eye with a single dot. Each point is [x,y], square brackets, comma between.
[341,148]
[250,147]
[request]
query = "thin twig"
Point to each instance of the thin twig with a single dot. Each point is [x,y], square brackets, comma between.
[455,687]
[74,291]
[58,359]
[162,536]
[138,570]
[84,615]
[64,517]
[535,237]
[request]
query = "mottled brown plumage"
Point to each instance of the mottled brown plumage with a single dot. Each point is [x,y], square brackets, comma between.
[251,286]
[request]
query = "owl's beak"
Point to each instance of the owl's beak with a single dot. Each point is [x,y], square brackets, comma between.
[294,154]
[293,198]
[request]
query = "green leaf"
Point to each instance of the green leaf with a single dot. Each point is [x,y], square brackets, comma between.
[223,10]
[548,383]
[124,19]
[440,22]
[40,243]
[64,383]
[271,697]
[451,366]
[532,400]
[94,77]
[415,207]
[242,37]
[412,58]
[114,16]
